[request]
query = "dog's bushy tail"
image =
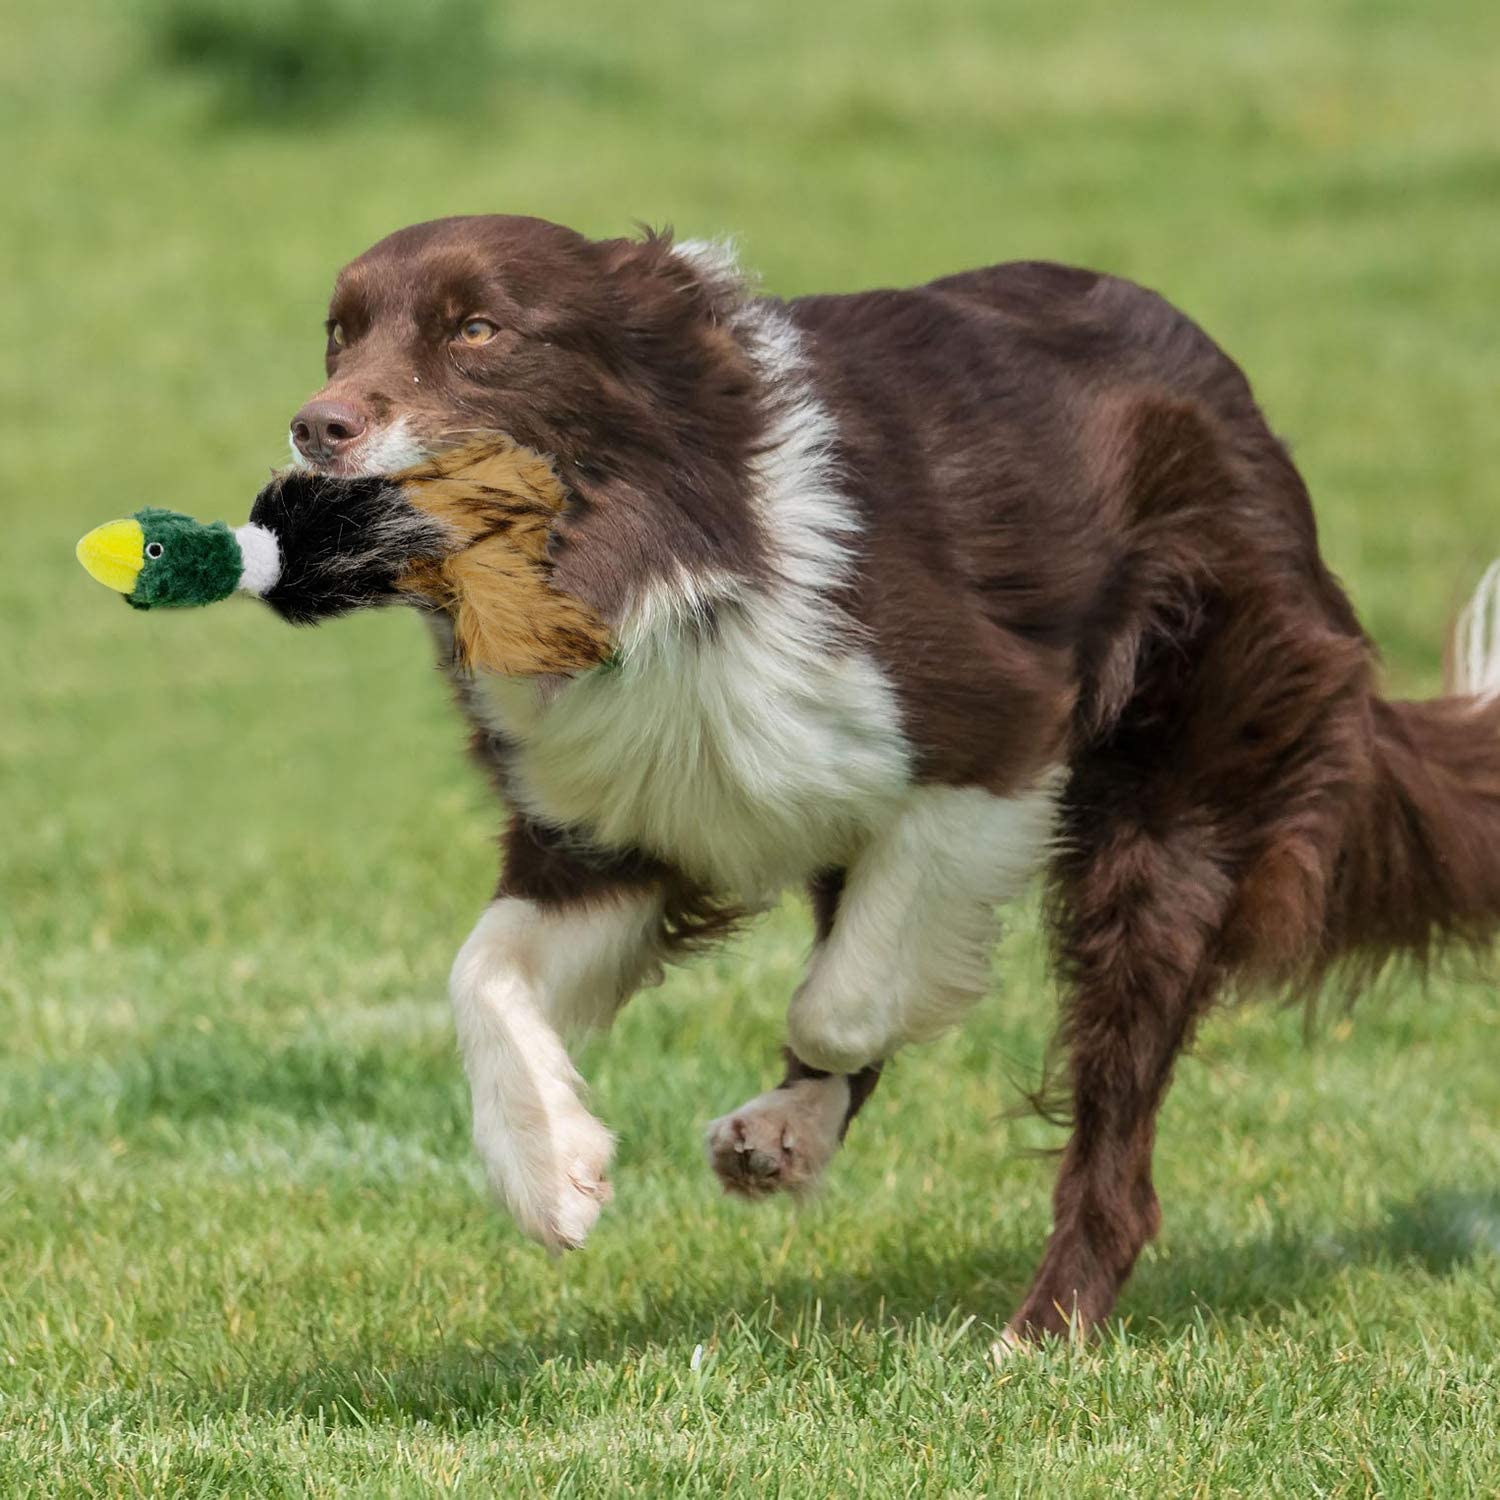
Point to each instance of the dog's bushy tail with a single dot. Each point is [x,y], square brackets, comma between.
[1421,867]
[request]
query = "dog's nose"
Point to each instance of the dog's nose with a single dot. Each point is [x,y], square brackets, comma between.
[324,429]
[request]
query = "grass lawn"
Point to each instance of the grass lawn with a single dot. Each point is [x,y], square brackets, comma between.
[243,1246]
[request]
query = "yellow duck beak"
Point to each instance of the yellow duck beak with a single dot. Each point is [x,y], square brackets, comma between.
[114,553]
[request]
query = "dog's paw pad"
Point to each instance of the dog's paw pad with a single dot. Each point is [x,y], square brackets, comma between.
[780,1141]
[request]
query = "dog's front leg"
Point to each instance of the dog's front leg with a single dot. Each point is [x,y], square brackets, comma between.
[903,951]
[530,971]
[909,950]
[781,1140]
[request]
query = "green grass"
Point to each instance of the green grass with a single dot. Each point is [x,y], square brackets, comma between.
[286,62]
[244,1247]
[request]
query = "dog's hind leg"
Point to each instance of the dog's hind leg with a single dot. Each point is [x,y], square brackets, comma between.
[1142,915]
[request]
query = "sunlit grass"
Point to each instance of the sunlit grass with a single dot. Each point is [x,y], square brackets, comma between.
[245,1246]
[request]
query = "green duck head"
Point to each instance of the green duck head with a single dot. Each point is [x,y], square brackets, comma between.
[161,558]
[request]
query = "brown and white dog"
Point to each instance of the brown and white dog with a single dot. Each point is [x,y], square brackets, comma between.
[917,594]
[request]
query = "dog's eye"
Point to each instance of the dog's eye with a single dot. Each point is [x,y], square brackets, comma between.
[476,331]
[336,335]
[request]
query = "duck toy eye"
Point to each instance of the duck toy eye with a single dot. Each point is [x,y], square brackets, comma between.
[154,550]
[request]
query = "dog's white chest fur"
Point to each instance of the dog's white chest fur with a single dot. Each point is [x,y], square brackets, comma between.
[746,736]
[744,760]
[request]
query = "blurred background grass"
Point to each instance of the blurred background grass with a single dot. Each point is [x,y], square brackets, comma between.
[244,1245]
[287,61]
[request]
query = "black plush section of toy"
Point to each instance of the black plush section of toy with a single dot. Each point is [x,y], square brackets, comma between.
[343,542]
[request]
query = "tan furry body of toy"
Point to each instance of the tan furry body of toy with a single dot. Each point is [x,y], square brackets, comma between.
[500,499]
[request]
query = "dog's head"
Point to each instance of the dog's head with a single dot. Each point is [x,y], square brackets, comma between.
[617,359]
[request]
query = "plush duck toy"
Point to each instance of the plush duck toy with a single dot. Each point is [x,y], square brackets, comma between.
[159,557]
[465,534]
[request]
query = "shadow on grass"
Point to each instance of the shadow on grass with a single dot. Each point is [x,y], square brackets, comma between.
[1437,1232]
[467,1382]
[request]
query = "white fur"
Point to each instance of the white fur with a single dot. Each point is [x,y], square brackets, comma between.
[910,948]
[717,262]
[262,558]
[751,753]
[525,975]
[1476,654]
[382,450]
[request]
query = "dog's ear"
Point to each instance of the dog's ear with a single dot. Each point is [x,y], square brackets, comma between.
[660,493]
[660,280]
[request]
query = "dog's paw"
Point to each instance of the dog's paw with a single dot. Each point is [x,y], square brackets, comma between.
[780,1141]
[580,1198]
[554,1179]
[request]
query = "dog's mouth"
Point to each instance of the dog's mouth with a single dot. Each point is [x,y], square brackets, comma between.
[381,450]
